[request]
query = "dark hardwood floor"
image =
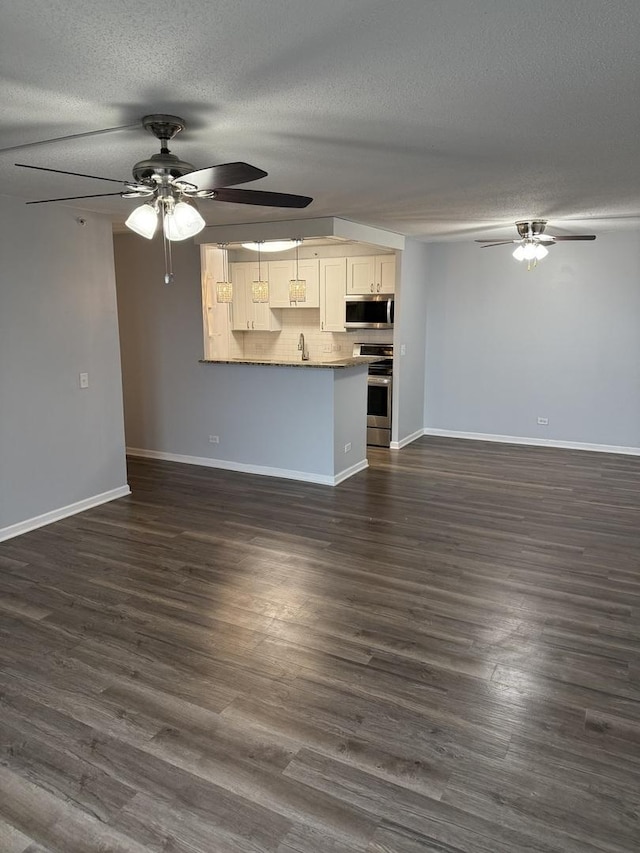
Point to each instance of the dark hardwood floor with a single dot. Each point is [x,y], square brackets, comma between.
[441,654]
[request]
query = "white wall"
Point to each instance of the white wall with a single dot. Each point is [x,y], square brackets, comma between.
[409,332]
[505,346]
[173,403]
[59,445]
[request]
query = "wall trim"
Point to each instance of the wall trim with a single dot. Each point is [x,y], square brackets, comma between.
[536,442]
[63,512]
[349,472]
[398,445]
[246,468]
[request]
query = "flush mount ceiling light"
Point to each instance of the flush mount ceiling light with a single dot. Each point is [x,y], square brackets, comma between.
[272,245]
[168,185]
[534,244]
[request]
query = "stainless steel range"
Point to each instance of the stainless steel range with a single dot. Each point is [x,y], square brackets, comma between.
[379,391]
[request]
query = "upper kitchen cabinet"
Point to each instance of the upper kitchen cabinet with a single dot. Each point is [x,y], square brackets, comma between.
[281,273]
[333,279]
[246,314]
[371,274]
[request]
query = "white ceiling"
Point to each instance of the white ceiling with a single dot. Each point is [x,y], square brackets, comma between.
[433,118]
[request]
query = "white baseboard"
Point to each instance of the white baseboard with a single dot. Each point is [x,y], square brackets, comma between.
[245,468]
[535,442]
[349,472]
[63,512]
[398,445]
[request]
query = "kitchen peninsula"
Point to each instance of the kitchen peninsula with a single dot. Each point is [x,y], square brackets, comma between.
[303,420]
[289,399]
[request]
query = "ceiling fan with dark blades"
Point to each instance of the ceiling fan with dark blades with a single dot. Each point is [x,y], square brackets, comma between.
[533,243]
[168,180]
[169,188]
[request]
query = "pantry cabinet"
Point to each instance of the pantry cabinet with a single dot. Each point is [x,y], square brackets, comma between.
[281,273]
[371,274]
[333,278]
[247,315]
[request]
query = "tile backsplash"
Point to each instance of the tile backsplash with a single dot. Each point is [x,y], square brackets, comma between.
[322,346]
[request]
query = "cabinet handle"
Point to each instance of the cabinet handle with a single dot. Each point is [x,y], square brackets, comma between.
[247,324]
[322,325]
[371,287]
[253,324]
[378,286]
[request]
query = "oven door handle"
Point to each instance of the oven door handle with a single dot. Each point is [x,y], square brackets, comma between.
[379,380]
[389,311]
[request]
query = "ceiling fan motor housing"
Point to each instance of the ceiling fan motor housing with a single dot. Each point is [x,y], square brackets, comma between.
[531,228]
[163,164]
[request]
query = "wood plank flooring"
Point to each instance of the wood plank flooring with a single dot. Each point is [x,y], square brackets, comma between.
[441,654]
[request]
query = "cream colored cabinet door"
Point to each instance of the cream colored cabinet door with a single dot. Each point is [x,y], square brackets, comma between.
[385,277]
[264,319]
[248,315]
[333,280]
[361,275]
[281,273]
[309,271]
[371,274]
[240,303]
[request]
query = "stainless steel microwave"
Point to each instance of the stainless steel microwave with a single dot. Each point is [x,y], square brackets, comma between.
[369,311]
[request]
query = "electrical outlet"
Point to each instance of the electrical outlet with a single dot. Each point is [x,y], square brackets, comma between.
[326,348]
[84,380]
[337,347]
[214,439]
[347,447]
[543,421]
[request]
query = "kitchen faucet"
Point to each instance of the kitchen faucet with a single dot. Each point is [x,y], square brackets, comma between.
[301,346]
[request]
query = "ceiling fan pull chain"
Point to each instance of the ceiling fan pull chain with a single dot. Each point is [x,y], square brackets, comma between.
[168,260]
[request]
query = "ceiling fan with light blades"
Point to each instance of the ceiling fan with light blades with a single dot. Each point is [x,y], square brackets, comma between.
[169,187]
[533,244]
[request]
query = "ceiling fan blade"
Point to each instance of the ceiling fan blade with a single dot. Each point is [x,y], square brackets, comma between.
[575,237]
[266,199]
[496,243]
[66,138]
[224,175]
[62,172]
[71,198]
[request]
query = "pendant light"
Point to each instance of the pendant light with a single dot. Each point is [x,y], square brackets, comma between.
[260,288]
[224,289]
[297,286]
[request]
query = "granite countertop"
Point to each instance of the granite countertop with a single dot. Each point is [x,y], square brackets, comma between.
[265,362]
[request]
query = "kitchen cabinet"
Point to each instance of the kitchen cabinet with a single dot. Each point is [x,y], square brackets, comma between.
[246,314]
[333,280]
[281,273]
[371,274]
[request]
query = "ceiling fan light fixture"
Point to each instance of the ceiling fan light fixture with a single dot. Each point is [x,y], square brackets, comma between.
[272,245]
[541,252]
[143,220]
[182,222]
[529,251]
[519,253]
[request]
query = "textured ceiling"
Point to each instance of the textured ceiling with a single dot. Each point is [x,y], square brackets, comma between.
[433,118]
